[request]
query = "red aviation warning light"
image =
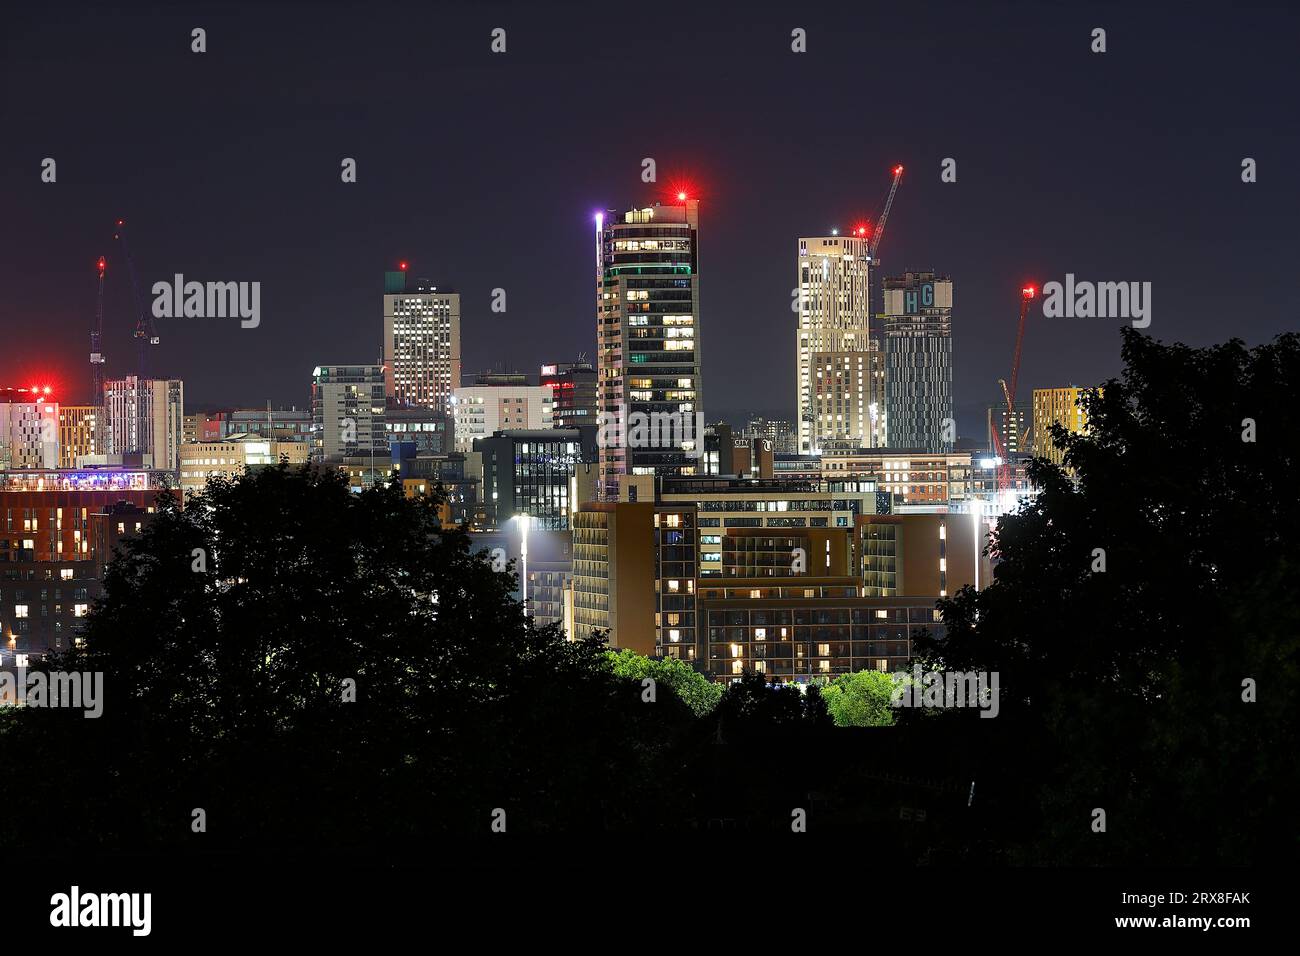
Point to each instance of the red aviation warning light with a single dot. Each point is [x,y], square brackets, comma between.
[681,196]
[898,170]
[102,266]
[1029,292]
[402,266]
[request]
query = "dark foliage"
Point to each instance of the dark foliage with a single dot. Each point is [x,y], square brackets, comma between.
[1123,689]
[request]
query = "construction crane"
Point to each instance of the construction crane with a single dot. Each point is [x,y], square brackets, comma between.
[96,343]
[1027,294]
[145,332]
[878,234]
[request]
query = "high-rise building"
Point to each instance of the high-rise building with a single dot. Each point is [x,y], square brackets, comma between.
[29,429]
[839,380]
[480,410]
[79,433]
[573,393]
[145,416]
[421,342]
[918,362]
[1056,406]
[648,389]
[347,408]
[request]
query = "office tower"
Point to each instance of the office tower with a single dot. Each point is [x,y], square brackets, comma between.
[917,331]
[648,388]
[573,393]
[29,429]
[347,409]
[480,410]
[531,472]
[1056,406]
[79,433]
[421,342]
[145,416]
[839,386]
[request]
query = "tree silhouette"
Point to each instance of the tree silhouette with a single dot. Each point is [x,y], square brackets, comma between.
[319,668]
[1122,688]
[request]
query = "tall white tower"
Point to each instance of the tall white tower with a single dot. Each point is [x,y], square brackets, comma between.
[421,342]
[838,369]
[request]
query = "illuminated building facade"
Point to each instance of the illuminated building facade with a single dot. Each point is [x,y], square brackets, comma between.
[648,345]
[480,410]
[1057,406]
[573,393]
[79,433]
[917,335]
[145,416]
[57,532]
[839,376]
[421,342]
[347,409]
[234,456]
[29,429]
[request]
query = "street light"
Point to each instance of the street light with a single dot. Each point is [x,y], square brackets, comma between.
[524,521]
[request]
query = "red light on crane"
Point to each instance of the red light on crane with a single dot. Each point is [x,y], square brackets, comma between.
[1028,292]
[897,170]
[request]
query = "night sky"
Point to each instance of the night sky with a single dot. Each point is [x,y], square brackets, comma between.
[484,171]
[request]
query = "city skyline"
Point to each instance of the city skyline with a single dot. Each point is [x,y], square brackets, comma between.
[487,445]
[318,245]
